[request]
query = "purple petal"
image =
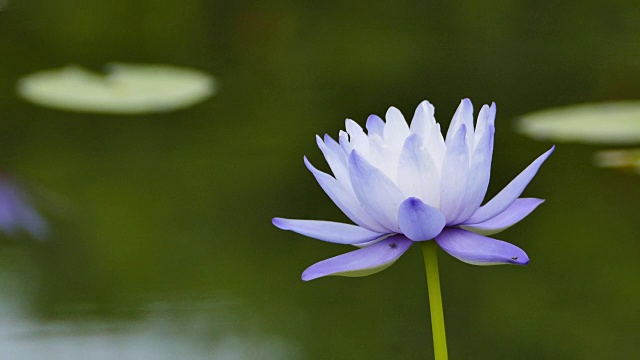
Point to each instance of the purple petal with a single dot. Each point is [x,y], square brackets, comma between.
[479,174]
[327,230]
[479,250]
[344,199]
[379,196]
[361,262]
[513,214]
[336,158]
[486,118]
[419,221]
[462,116]
[375,125]
[367,243]
[343,140]
[510,193]
[455,172]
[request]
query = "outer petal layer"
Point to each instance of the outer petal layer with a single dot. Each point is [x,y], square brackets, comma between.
[510,193]
[514,213]
[361,262]
[344,199]
[419,221]
[334,232]
[336,158]
[479,250]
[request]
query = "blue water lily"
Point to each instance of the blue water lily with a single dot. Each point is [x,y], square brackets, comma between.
[17,215]
[401,184]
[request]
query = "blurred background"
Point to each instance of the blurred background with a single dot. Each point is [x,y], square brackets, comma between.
[160,243]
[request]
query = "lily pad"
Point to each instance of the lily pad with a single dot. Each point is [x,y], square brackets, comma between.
[624,159]
[597,123]
[124,89]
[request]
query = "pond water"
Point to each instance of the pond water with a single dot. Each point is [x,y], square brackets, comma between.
[160,240]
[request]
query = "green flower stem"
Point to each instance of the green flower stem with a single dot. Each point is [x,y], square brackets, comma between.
[435,299]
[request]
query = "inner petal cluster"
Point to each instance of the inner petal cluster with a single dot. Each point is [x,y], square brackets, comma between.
[415,158]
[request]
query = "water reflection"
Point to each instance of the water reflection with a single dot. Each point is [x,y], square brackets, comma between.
[165,330]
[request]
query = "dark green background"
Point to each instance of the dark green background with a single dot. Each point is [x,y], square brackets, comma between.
[162,243]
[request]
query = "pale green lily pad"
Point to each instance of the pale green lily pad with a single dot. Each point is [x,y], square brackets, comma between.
[624,159]
[124,89]
[598,123]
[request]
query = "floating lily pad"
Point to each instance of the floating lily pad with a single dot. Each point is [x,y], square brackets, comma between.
[599,123]
[124,89]
[624,159]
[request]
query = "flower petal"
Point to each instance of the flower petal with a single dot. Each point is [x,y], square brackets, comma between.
[344,199]
[357,137]
[375,125]
[418,174]
[436,145]
[462,116]
[486,118]
[379,196]
[423,120]
[513,214]
[361,262]
[479,250]
[334,232]
[455,171]
[17,215]
[510,193]
[336,158]
[419,221]
[396,128]
[367,243]
[379,155]
[343,140]
[479,174]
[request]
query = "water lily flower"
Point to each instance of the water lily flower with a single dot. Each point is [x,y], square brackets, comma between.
[403,184]
[17,216]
